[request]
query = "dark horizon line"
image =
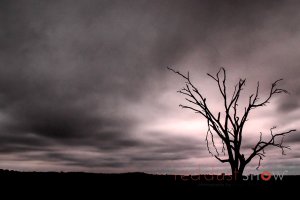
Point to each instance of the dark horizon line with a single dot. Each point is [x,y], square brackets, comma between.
[124,173]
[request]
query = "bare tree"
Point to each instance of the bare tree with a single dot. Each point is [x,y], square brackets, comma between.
[229,128]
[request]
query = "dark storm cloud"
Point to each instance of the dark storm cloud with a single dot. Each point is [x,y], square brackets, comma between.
[164,150]
[293,138]
[291,102]
[69,70]
[60,63]
[80,161]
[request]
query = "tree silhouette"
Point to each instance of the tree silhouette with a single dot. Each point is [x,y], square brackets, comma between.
[229,128]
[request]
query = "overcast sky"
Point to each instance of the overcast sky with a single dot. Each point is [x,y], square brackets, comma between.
[84,85]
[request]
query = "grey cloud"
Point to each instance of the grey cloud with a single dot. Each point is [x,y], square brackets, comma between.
[152,153]
[289,104]
[171,148]
[69,68]
[293,138]
[291,101]
[73,160]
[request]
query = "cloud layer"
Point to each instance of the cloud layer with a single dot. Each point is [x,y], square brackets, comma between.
[84,85]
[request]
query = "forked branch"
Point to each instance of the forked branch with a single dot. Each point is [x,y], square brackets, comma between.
[259,149]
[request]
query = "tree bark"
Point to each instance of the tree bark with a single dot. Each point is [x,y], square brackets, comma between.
[240,172]
[237,173]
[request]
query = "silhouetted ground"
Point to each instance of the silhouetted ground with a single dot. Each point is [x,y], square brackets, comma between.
[98,186]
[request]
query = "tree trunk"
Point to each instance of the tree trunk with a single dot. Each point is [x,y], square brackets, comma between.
[241,170]
[237,173]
